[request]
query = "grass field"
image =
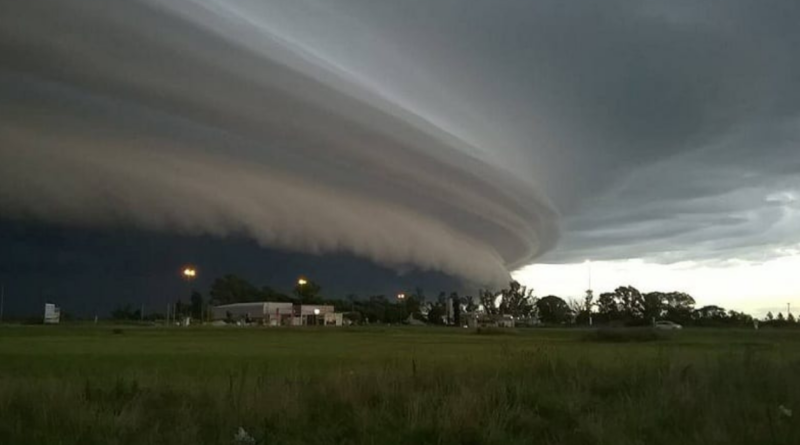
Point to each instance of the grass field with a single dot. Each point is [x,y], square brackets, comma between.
[89,385]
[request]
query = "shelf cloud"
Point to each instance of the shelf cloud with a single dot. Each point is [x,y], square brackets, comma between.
[470,138]
[192,117]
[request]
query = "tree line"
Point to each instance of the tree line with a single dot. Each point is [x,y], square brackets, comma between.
[625,305]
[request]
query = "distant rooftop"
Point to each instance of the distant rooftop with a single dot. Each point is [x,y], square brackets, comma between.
[253,303]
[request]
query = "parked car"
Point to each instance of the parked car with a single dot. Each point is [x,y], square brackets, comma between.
[667,325]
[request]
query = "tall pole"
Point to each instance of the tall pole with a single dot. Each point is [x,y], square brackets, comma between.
[189,274]
[589,270]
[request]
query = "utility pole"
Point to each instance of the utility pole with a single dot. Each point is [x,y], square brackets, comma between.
[589,291]
[589,267]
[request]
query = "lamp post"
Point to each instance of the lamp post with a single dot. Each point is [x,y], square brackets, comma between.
[189,273]
[298,306]
[301,282]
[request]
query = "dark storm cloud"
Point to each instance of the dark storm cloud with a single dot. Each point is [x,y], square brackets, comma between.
[444,134]
[195,120]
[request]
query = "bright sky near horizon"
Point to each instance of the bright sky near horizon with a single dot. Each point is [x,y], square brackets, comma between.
[755,288]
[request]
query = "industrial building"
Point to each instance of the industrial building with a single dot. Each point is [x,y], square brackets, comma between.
[271,313]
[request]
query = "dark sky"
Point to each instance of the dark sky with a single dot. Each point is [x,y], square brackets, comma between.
[88,271]
[470,138]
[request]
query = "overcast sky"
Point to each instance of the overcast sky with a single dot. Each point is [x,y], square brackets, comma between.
[472,138]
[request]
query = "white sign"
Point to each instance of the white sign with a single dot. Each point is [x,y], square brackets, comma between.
[52,314]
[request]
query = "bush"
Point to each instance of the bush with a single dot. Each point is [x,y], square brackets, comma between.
[623,335]
[117,331]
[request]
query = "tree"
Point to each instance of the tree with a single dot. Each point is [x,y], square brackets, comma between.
[395,313]
[739,318]
[456,302]
[583,309]
[631,302]
[578,313]
[269,294]
[588,300]
[654,305]
[489,302]
[436,314]
[770,317]
[180,309]
[607,306]
[379,309]
[518,301]
[309,292]
[196,305]
[790,318]
[711,312]
[680,307]
[780,317]
[472,306]
[553,310]
[710,315]
[232,289]
[413,305]
[376,309]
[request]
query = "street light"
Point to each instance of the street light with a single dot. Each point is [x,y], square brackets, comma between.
[401,296]
[189,273]
[301,282]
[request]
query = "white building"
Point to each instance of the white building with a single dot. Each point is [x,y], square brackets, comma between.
[269,313]
[318,315]
[278,314]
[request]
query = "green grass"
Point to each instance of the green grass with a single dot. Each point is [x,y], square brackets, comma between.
[622,335]
[88,385]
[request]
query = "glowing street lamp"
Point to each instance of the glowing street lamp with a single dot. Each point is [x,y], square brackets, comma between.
[302,282]
[401,296]
[316,311]
[189,273]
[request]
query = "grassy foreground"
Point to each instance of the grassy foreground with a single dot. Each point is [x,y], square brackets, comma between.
[88,385]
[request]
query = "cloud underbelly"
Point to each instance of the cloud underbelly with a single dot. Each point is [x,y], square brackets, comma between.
[133,116]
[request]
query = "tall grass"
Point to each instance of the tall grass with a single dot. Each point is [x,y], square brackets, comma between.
[623,335]
[514,396]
